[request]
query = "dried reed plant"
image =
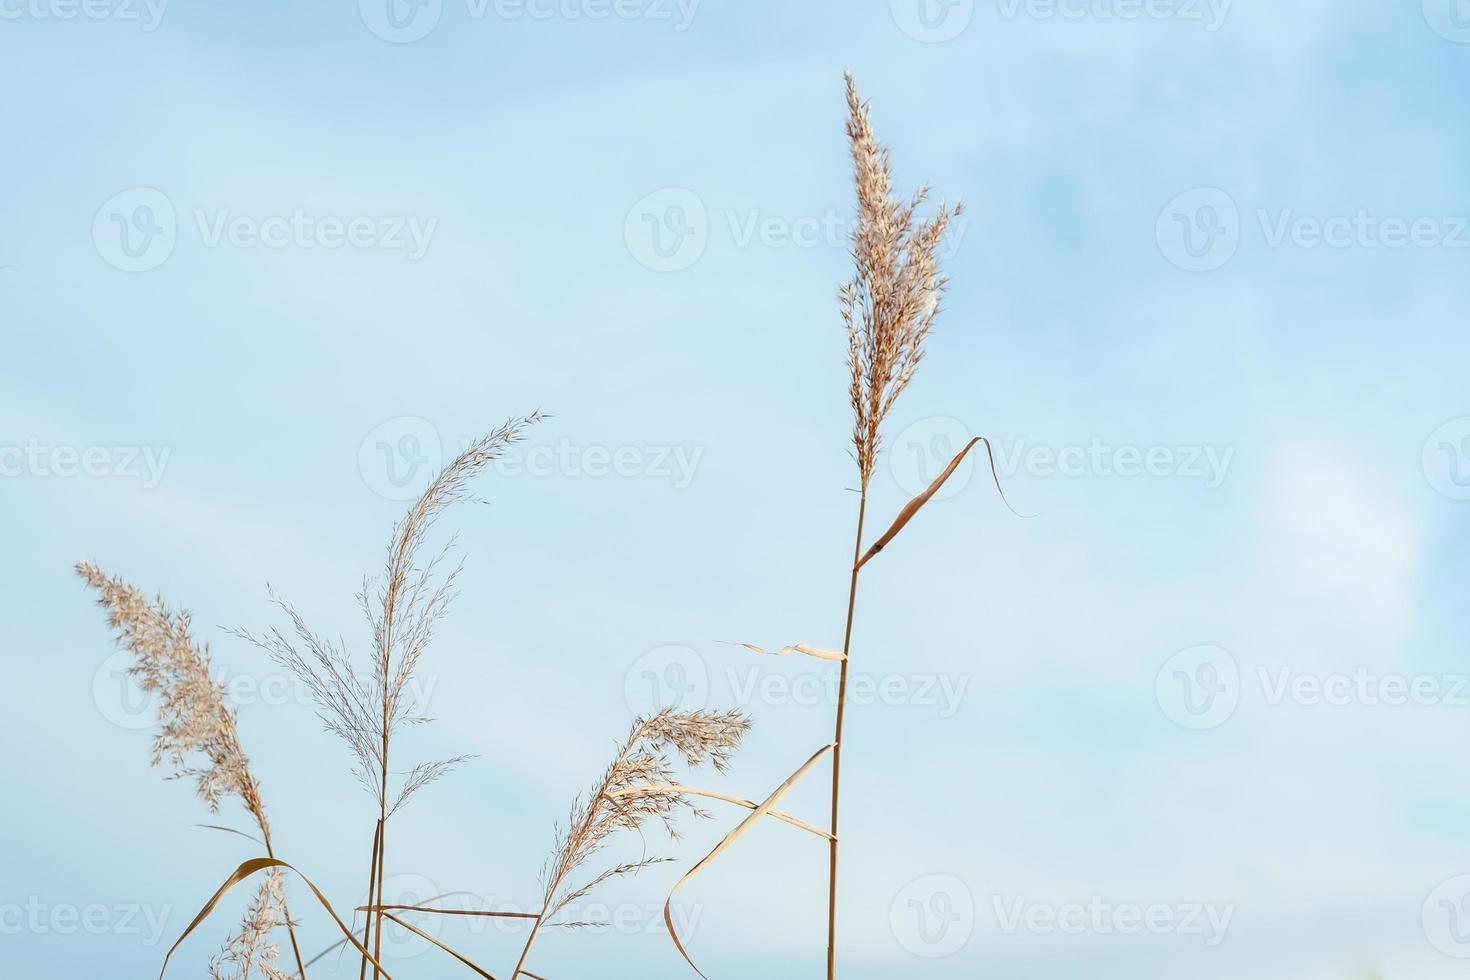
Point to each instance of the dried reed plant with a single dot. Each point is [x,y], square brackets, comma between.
[402,608]
[889,308]
[198,735]
[637,788]
[365,706]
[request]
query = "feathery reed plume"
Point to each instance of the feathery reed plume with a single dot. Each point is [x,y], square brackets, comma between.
[891,302]
[638,787]
[251,945]
[198,736]
[402,609]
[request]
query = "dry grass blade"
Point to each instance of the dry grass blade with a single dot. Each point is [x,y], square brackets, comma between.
[727,798]
[424,935]
[245,870]
[760,811]
[804,648]
[436,911]
[915,505]
[231,830]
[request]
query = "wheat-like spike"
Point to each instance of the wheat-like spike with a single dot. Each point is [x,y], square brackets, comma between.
[198,735]
[250,946]
[643,762]
[890,304]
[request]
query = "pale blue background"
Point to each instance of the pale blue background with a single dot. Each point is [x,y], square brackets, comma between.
[1328,546]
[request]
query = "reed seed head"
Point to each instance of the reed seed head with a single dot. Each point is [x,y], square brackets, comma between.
[890,304]
[197,735]
[644,762]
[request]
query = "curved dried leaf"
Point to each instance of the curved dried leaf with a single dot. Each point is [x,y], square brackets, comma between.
[426,908]
[231,830]
[914,506]
[807,649]
[424,935]
[762,810]
[726,798]
[244,871]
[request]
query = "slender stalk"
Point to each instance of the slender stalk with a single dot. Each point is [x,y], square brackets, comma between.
[372,887]
[382,845]
[857,551]
[526,952]
[378,866]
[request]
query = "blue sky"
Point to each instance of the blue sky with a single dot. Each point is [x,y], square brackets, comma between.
[270,264]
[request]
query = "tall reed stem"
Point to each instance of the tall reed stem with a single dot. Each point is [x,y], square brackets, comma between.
[380,851]
[857,551]
[381,848]
[371,899]
[526,952]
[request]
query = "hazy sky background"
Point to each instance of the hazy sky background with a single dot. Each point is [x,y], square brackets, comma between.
[274,262]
